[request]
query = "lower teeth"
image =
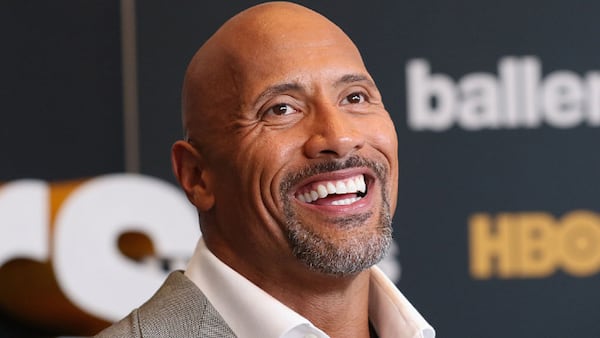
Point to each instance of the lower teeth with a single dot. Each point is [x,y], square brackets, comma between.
[346,201]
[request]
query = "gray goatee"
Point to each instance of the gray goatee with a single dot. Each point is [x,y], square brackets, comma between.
[340,256]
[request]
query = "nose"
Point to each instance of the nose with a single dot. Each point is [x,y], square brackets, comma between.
[333,133]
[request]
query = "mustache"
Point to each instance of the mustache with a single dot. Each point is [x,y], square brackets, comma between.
[355,161]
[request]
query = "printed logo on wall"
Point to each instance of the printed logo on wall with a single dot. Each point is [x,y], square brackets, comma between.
[534,244]
[518,97]
[93,249]
[524,244]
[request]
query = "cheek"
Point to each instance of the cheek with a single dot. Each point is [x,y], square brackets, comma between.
[260,161]
[385,141]
[281,154]
[383,137]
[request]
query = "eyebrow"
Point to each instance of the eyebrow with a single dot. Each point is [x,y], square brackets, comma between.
[351,78]
[277,90]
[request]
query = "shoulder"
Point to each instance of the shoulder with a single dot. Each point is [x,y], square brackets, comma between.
[177,309]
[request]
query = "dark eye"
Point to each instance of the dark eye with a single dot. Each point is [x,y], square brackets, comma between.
[281,109]
[354,98]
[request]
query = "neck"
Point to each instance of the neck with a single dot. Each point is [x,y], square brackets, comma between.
[336,305]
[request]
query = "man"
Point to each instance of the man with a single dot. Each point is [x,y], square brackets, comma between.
[291,161]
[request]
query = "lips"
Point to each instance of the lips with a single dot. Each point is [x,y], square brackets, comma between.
[334,192]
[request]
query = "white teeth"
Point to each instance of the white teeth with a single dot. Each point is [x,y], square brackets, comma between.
[330,188]
[322,191]
[340,188]
[351,186]
[307,197]
[360,184]
[314,195]
[348,186]
[346,201]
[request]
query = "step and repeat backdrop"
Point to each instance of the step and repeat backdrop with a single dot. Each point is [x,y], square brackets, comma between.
[497,108]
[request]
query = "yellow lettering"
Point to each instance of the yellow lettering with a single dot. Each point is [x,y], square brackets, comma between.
[579,243]
[537,244]
[491,251]
[533,244]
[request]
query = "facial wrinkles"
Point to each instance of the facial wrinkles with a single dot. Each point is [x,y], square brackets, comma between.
[211,94]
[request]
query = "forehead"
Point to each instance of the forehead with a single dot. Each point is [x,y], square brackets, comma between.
[307,62]
[260,48]
[280,39]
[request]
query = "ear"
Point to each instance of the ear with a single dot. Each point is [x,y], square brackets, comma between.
[193,175]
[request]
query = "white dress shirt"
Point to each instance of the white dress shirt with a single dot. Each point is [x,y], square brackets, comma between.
[250,312]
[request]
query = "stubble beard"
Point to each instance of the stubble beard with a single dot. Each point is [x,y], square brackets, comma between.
[363,246]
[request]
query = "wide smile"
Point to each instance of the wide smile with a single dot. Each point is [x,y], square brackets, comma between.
[334,192]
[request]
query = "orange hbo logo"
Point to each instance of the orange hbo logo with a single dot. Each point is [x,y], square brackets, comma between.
[534,244]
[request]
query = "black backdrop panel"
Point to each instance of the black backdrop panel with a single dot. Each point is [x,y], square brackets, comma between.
[60,69]
[447,176]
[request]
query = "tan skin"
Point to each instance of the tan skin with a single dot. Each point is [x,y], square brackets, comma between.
[276,88]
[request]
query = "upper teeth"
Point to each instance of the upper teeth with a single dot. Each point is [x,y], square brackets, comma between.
[322,189]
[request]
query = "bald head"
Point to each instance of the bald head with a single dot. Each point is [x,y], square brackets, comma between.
[254,44]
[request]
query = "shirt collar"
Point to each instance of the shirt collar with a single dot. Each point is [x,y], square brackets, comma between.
[391,313]
[248,310]
[251,312]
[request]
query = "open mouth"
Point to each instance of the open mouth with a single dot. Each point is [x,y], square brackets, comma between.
[334,192]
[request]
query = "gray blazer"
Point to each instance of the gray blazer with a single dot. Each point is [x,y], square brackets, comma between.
[178,309]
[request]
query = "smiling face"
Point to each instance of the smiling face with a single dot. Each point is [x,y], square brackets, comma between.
[292,156]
